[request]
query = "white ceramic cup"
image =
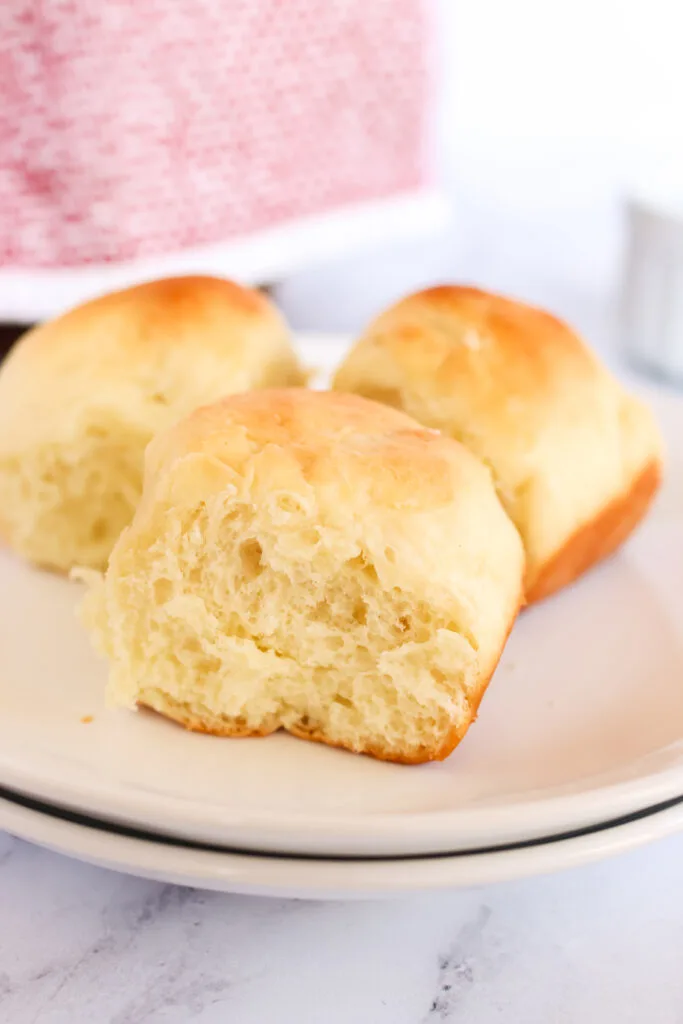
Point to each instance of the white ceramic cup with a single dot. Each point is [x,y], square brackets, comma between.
[651,307]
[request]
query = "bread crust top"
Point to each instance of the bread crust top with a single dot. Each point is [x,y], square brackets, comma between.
[175,342]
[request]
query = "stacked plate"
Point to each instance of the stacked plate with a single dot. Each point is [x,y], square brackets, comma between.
[578,752]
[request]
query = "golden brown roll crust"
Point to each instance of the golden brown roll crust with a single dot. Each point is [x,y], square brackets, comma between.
[314,562]
[569,449]
[82,395]
[599,538]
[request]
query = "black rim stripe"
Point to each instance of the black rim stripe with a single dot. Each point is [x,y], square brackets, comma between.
[100,825]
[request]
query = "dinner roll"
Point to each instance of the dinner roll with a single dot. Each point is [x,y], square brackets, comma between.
[312,562]
[575,459]
[81,396]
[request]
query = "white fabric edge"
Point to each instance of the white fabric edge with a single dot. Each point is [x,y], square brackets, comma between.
[28,294]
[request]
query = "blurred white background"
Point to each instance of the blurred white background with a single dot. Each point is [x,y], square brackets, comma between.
[546,115]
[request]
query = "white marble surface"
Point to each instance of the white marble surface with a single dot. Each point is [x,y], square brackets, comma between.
[80,945]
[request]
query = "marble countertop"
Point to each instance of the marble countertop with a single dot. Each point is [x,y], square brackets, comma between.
[81,945]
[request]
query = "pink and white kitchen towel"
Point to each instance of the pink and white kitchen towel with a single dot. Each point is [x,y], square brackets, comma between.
[245,137]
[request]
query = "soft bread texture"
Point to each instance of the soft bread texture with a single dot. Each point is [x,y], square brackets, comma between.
[576,460]
[81,397]
[311,562]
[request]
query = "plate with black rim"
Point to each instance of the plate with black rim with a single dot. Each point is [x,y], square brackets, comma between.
[317,878]
[582,723]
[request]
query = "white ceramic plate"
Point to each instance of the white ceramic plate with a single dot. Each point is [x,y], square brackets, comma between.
[583,723]
[328,879]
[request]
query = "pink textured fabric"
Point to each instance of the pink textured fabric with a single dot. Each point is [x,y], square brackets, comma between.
[130,128]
